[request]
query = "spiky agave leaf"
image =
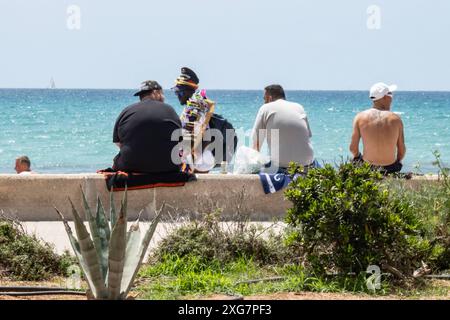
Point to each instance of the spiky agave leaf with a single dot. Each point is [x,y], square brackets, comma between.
[104,235]
[89,255]
[124,203]
[133,226]
[117,246]
[134,258]
[89,216]
[132,253]
[93,228]
[112,209]
[76,249]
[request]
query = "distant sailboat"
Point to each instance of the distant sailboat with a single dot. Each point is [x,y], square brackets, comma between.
[52,84]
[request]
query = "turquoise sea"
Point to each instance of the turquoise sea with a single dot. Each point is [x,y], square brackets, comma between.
[70,131]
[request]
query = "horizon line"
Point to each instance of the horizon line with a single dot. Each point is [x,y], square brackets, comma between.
[215,89]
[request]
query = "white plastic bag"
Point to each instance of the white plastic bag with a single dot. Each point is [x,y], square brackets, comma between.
[203,162]
[248,160]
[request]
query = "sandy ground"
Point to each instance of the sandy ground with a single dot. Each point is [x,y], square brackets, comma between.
[276,296]
[303,296]
[46,298]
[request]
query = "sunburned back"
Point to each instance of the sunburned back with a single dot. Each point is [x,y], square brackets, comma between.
[379,131]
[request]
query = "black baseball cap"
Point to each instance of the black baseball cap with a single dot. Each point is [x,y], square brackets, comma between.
[148,85]
[187,78]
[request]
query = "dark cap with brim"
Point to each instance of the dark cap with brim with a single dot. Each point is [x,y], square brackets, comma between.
[149,85]
[188,78]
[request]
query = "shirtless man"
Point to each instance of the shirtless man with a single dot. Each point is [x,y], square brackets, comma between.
[381,131]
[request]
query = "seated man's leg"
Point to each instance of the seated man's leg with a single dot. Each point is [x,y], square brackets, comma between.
[358,159]
[393,168]
[273,170]
[316,164]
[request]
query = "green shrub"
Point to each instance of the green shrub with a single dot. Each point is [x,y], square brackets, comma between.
[213,241]
[24,257]
[347,220]
[431,203]
[442,205]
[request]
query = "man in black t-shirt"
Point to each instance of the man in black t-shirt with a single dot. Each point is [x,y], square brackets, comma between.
[143,132]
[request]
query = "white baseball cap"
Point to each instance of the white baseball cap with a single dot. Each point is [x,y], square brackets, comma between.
[380,90]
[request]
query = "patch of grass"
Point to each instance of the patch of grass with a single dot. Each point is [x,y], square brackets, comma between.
[424,290]
[203,282]
[165,280]
[24,257]
[174,265]
[178,278]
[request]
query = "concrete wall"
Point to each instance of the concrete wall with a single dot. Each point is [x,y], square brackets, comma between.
[32,198]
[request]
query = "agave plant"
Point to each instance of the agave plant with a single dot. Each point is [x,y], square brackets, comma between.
[109,256]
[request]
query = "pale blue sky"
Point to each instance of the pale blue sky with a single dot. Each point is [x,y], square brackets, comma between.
[231,44]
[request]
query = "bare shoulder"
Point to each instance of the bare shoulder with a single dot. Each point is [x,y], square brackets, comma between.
[394,117]
[365,112]
[362,115]
[394,120]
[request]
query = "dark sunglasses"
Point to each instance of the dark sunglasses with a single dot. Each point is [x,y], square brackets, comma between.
[179,92]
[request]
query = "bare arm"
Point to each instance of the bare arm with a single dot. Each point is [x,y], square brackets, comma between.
[309,128]
[256,144]
[356,136]
[401,148]
[258,132]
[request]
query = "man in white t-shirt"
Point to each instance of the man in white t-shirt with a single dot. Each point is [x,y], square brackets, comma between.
[23,165]
[285,126]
